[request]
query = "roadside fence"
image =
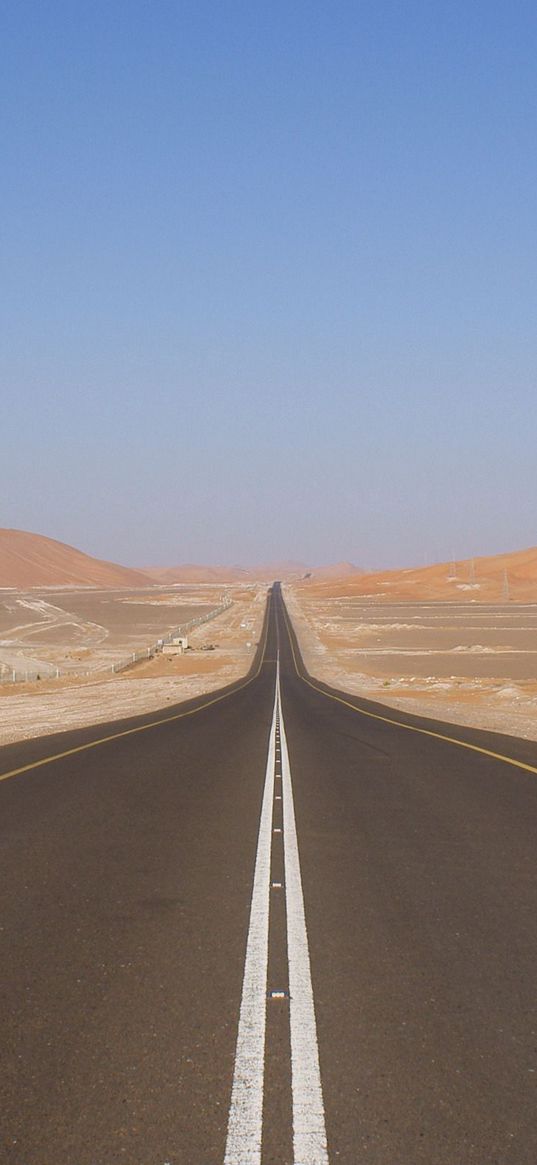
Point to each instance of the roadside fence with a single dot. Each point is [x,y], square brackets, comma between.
[25,675]
[28,675]
[177,633]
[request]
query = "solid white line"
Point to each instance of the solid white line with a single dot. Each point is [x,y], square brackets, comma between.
[309,1130]
[245,1124]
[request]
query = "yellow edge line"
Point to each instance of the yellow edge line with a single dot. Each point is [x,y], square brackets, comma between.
[46,760]
[509,760]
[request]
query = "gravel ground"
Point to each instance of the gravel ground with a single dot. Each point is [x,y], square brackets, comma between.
[508,707]
[33,710]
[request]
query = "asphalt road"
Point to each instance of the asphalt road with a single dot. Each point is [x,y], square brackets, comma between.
[284,910]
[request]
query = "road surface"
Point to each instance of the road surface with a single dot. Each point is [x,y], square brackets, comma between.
[279,925]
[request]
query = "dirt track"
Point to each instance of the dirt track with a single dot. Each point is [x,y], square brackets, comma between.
[81,631]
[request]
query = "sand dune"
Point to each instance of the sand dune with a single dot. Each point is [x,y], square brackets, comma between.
[495,578]
[192,573]
[31,560]
[286,571]
[336,570]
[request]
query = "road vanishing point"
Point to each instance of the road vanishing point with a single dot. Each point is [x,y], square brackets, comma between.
[279,925]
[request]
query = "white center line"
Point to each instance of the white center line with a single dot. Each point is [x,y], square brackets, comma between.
[245,1125]
[309,1130]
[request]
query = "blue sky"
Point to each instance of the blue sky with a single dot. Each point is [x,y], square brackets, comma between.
[270,278]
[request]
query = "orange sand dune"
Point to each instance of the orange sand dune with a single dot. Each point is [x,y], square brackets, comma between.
[337,570]
[496,578]
[190,573]
[236,574]
[31,560]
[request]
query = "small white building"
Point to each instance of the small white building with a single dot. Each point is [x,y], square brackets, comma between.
[176,647]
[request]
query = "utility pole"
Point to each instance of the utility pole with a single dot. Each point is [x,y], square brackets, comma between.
[505,588]
[472,571]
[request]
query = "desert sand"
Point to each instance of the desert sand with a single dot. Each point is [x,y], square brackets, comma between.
[499,578]
[456,641]
[460,662]
[50,706]
[190,572]
[77,630]
[31,560]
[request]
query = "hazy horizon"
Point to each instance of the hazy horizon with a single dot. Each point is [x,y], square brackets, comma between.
[281,561]
[270,280]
